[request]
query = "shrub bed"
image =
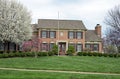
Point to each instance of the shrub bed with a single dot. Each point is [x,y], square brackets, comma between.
[98,54]
[25,54]
[50,53]
[80,53]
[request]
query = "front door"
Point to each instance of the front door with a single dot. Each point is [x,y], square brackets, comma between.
[62,48]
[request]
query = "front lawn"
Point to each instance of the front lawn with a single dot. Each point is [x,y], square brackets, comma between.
[70,63]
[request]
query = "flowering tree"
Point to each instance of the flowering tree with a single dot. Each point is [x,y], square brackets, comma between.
[15,22]
[31,45]
[113,20]
[27,46]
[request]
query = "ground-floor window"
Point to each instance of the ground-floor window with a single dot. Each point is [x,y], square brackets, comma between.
[44,47]
[51,46]
[72,44]
[79,47]
[1,46]
[12,46]
[92,47]
[95,47]
[87,47]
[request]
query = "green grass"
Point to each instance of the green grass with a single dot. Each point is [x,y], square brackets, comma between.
[4,74]
[70,63]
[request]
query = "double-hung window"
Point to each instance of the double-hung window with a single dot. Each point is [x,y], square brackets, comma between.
[79,35]
[44,46]
[52,34]
[12,46]
[1,46]
[95,47]
[51,46]
[71,34]
[44,34]
[79,47]
[88,46]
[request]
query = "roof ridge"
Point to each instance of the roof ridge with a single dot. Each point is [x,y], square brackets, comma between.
[61,19]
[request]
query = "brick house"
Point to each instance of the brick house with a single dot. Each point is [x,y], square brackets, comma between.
[65,33]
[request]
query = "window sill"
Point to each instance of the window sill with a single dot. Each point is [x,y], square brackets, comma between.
[43,37]
[52,38]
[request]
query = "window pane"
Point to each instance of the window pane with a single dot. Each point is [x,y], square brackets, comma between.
[71,34]
[79,35]
[1,46]
[95,47]
[12,46]
[51,45]
[79,47]
[52,34]
[88,46]
[72,44]
[44,34]
[44,47]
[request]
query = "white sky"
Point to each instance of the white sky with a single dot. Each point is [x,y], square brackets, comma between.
[91,12]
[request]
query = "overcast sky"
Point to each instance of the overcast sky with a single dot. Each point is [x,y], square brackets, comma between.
[91,12]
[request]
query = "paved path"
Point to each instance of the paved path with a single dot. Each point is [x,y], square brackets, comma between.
[58,71]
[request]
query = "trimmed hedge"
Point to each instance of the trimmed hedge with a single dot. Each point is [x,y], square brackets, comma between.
[42,54]
[80,53]
[98,54]
[25,54]
[50,53]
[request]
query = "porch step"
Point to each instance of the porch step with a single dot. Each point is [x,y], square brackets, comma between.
[61,53]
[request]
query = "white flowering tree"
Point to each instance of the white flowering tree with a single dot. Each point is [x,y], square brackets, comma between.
[15,22]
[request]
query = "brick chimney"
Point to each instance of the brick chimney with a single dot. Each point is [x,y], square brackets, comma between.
[98,30]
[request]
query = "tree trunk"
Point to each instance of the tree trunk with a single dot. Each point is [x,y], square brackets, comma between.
[6,47]
[118,49]
[17,47]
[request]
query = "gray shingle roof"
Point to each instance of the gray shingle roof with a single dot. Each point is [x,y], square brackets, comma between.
[63,24]
[92,36]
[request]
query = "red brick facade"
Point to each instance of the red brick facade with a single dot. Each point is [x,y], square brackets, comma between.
[66,37]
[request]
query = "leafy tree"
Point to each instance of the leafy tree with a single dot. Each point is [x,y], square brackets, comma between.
[113,20]
[15,22]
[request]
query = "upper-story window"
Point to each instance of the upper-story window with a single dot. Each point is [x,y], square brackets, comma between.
[52,34]
[44,34]
[79,35]
[71,34]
